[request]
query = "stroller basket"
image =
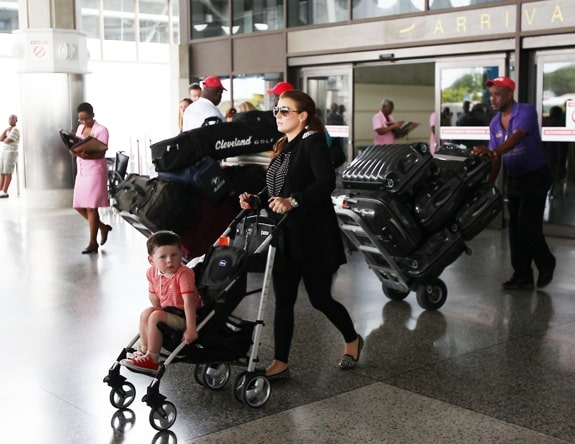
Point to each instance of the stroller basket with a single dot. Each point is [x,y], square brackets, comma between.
[229,343]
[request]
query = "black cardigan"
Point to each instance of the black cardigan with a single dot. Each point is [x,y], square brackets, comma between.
[311,233]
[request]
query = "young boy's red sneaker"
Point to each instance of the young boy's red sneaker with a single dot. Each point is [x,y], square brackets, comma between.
[142,364]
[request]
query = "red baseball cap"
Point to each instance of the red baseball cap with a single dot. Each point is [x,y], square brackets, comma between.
[213,82]
[280,88]
[501,81]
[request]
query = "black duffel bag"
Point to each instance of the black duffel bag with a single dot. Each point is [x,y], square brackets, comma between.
[158,204]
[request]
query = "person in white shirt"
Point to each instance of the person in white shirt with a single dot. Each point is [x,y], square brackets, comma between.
[206,106]
[9,140]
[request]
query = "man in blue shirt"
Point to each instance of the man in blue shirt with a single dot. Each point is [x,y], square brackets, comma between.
[515,138]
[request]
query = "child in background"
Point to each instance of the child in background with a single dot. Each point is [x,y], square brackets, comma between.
[174,298]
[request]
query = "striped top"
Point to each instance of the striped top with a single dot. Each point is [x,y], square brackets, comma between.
[14,136]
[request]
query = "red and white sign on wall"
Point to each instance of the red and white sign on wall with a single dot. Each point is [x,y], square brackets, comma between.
[39,48]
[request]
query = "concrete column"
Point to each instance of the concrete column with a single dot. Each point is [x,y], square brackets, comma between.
[51,58]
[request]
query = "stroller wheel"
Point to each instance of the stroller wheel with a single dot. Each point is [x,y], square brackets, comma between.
[199,374]
[216,375]
[163,417]
[252,390]
[121,397]
[239,386]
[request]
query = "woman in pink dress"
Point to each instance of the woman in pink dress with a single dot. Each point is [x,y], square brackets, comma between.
[91,187]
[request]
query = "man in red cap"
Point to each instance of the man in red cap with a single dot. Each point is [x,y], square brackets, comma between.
[206,106]
[279,89]
[515,138]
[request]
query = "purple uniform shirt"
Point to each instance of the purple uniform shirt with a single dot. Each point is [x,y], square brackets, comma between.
[528,155]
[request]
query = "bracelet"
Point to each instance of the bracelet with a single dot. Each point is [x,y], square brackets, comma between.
[494,154]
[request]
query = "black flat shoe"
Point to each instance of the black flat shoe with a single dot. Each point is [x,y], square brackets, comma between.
[284,374]
[347,362]
[104,235]
[90,250]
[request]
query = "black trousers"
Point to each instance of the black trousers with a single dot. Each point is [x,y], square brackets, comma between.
[526,196]
[318,287]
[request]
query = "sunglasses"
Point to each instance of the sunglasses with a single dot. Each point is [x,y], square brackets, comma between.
[283,110]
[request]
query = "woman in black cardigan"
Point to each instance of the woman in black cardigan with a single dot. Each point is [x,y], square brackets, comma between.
[300,180]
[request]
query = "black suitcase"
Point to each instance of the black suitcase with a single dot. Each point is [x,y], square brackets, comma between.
[218,141]
[438,201]
[437,252]
[476,170]
[205,176]
[479,209]
[387,218]
[473,170]
[398,169]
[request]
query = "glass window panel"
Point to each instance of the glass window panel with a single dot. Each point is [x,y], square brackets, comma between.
[210,18]
[258,15]
[464,105]
[441,4]
[8,16]
[313,12]
[558,134]
[119,22]
[90,18]
[250,88]
[378,8]
[175,21]
[154,21]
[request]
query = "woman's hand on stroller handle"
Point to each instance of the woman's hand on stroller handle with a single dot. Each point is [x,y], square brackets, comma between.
[249,201]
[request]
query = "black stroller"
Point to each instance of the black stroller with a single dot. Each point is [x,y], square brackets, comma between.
[224,339]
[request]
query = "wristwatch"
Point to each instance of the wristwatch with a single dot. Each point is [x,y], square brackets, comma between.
[294,203]
[494,154]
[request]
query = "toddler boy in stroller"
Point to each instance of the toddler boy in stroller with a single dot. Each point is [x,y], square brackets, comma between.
[174,298]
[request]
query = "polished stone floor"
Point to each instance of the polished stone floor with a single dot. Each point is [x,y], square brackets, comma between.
[489,367]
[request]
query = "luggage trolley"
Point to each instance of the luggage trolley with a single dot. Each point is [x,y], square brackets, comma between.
[224,339]
[431,291]
[410,215]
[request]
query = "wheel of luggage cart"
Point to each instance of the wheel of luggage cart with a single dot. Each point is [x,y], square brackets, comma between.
[393,294]
[431,294]
[163,417]
[252,389]
[214,375]
[121,397]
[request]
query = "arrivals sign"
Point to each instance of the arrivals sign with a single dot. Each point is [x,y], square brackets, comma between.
[484,23]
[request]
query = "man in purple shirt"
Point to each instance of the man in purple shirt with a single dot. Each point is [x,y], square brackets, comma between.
[515,138]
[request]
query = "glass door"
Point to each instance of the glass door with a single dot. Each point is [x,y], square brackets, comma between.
[463,112]
[332,90]
[556,105]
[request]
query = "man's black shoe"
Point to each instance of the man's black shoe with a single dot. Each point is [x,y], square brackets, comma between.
[545,278]
[518,284]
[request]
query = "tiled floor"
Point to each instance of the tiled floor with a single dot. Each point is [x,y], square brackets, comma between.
[490,366]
